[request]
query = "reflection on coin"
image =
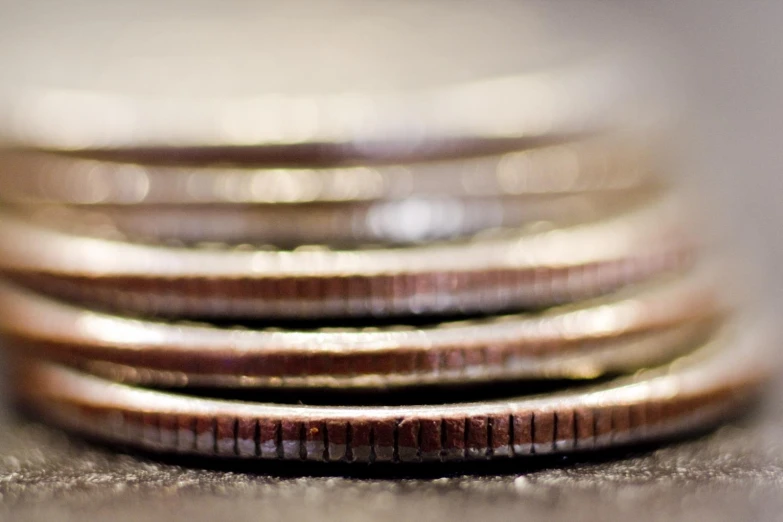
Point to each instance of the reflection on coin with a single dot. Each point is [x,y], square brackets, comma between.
[314,81]
[598,164]
[483,275]
[637,327]
[344,225]
[692,393]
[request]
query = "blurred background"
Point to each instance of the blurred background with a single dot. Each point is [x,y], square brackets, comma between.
[732,57]
[732,61]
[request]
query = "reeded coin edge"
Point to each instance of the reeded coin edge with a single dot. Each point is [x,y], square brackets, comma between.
[625,354]
[484,276]
[699,390]
[648,322]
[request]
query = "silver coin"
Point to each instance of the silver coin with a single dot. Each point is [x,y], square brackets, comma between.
[695,392]
[605,163]
[397,222]
[636,327]
[482,275]
[314,80]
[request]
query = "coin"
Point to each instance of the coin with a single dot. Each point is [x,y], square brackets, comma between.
[314,82]
[695,392]
[343,225]
[606,163]
[482,275]
[639,326]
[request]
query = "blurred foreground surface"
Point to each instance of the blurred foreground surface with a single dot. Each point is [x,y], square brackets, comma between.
[734,474]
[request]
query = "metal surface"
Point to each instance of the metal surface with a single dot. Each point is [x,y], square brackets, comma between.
[245,75]
[637,327]
[602,163]
[732,474]
[484,275]
[693,392]
[338,225]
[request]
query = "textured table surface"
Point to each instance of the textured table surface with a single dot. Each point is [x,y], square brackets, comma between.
[732,51]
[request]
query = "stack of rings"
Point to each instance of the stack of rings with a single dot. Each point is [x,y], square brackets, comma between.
[374,256]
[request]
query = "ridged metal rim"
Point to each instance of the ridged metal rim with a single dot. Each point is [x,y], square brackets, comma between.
[698,390]
[636,327]
[485,275]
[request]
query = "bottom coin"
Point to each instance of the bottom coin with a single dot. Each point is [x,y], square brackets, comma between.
[693,392]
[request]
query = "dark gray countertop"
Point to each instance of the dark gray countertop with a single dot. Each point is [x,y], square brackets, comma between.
[732,51]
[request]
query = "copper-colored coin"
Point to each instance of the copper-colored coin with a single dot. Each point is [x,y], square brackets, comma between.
[641,326]
[343,225]
[483,275]
[606,164]
[311,81]
[692,393]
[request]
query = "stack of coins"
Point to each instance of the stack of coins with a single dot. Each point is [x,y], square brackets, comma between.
[353,232]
